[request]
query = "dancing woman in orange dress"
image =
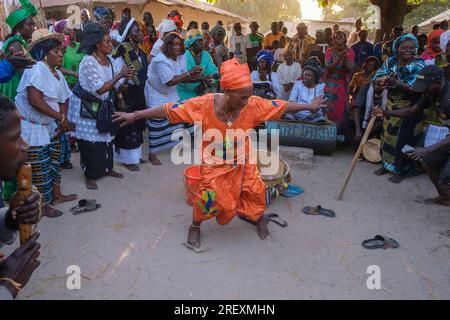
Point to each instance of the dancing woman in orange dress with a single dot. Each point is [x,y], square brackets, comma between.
[226,189]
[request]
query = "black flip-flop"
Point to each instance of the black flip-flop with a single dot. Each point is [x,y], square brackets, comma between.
[319,211]
[380,242]
[85,205]
[268,217]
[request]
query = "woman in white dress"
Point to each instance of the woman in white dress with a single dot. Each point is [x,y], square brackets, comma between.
[306,90]
[265,81]
[166,70]
[95,91]
[41,98]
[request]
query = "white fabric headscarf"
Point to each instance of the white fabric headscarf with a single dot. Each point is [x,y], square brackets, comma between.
[166,26]
[445,38]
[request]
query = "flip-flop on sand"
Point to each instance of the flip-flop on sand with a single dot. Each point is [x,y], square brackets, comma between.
[292,191]
[319,211]
[85,205]
[268,217]
[380,242]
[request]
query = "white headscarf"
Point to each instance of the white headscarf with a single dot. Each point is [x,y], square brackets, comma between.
[445,38]
[166,26]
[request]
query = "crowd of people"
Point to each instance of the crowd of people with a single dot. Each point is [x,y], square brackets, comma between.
[97,87]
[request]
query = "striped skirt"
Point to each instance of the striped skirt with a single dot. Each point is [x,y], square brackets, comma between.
[160,135]
[45,166]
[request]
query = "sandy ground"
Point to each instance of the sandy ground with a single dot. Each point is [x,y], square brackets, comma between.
[132,248]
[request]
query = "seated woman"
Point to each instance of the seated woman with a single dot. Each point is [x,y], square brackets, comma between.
[196,56]
[265,81]
[306,90]
[225,190]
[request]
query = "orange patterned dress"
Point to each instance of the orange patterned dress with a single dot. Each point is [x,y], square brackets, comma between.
[227,189]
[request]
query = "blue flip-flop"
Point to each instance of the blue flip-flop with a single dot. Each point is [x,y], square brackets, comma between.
[292,191]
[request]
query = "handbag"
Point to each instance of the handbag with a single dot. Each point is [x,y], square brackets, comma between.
[107,108]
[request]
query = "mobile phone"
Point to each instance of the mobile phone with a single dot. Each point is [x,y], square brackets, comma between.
[407,149]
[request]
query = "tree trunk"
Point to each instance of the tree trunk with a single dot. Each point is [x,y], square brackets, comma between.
[392,14]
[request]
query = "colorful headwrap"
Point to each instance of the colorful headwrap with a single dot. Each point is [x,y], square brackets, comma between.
[266,55]
[41,49]
[445,38]
[192,36]
[26,10]
[433,35]
[234,75]
[100,13]
[59,26]
[403,38]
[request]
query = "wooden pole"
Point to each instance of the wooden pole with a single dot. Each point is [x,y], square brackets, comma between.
[355,158]
[42,21]
[23,191]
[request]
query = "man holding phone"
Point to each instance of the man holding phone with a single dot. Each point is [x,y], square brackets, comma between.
[435,159]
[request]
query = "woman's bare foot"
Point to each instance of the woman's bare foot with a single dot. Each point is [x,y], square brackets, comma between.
[261,226]
[57,199]
[114,174]
[153,159]
[397,178]
[194,236]
[380,171]
[50,212]
[443,201]
[91,184]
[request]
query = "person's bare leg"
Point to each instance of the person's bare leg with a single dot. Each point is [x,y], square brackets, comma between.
[444,198]
[153,159]
[194,234]
[397,178]
[50,212]
[380,171]
[434,177]
[261,226]
[58,197]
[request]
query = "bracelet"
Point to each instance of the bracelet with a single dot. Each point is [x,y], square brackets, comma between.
[63,119]
[15,284]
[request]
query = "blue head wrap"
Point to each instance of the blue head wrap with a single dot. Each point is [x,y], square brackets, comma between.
[100,13]
[266,55]
[403,38]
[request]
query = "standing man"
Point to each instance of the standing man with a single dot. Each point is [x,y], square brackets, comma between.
[15,270]
[362,49]
[415,31]
[239,44]
[271,37]
[256,40]
[301,44]
[354,35]
[387,52]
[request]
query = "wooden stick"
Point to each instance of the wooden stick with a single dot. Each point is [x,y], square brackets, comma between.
[355,158]
[23,191]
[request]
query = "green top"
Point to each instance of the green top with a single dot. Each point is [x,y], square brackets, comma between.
[256,40]
[189,90]
[71,61]
[9,89]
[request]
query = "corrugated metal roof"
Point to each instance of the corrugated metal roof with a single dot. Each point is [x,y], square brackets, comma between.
[182,3]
